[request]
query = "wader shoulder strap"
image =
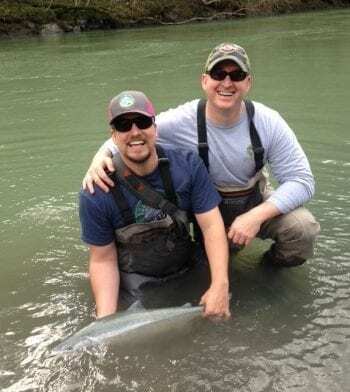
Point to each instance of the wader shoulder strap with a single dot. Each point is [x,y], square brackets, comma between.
[203,148]
[258,149]
[144,192]
[122,203]
[154,199]
[164,168]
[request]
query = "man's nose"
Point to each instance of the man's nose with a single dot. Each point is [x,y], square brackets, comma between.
[135,129]
[227,81]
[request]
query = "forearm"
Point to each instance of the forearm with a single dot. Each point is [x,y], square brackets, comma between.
[263,212]
[216,245]
[104,279]
[216,298]
[105,150]
[291,195]
[216,248]
[100,164]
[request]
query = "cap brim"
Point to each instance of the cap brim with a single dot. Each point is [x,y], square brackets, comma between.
[131,111]
[231,58]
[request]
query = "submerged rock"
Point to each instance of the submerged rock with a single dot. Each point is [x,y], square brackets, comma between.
[51,28]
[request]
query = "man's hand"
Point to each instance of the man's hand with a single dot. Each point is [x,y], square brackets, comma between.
[246,226]
[96,173]
[244,229]
[216,302]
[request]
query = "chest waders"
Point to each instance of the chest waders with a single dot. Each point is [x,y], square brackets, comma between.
[153,251]
[238,200]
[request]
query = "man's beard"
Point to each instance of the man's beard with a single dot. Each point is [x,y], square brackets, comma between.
[141,160]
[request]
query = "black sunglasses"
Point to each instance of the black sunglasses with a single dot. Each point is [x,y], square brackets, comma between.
[124,124]
[219,74]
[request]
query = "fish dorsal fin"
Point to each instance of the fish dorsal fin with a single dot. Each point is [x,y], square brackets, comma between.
[187,305]
[136,306]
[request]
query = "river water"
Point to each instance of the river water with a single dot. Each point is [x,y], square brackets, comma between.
[290,329]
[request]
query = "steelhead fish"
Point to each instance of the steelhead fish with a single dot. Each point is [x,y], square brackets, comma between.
[133,326]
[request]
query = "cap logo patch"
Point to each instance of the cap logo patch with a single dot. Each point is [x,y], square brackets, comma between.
[126,101]
[227,48]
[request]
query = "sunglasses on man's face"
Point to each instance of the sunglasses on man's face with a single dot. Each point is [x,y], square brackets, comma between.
[219,74]
[124,124]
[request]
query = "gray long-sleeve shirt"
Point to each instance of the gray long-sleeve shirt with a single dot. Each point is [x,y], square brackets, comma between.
[231,157]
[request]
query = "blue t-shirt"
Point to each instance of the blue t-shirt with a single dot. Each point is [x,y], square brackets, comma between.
[100,215]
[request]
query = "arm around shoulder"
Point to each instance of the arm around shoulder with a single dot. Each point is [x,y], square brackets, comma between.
[101,162]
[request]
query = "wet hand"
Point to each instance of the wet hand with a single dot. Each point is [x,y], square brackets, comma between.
[97,174]
[216,303]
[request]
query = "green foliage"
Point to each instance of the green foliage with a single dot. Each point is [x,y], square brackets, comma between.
[17,13]
[93,14]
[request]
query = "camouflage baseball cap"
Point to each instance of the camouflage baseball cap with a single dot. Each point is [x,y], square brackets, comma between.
[226,51]
[130,102]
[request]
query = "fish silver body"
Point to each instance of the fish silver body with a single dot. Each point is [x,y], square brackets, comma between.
[133,326]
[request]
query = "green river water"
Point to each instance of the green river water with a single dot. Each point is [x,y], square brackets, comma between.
[290,329]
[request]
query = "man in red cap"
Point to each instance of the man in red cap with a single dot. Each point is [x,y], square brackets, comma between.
[138,234]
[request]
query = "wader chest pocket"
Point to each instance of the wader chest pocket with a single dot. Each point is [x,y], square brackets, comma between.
[153,249]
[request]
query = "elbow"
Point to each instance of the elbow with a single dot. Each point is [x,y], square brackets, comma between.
[310,187]
[307,186]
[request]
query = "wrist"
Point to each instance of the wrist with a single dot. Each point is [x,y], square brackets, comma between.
[263,212]
[220,284]
[104,312]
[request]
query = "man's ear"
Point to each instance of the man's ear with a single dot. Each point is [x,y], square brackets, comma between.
[113,135]
[204,79]
[250,80]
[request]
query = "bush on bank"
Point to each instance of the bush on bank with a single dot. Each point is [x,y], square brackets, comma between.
[53,16]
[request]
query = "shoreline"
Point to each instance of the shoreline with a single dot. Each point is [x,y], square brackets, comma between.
[50,17]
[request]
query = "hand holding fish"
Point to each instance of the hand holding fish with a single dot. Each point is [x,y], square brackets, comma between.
[216,303]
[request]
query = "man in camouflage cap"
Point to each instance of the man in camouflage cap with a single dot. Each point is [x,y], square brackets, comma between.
[236,139]
[231,52]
